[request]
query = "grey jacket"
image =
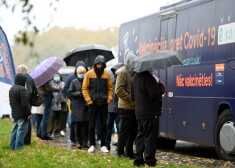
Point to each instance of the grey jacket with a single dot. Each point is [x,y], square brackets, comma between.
[113,106]
[59,101]
[49,87]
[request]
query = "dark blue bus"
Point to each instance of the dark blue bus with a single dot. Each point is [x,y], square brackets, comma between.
[199,103]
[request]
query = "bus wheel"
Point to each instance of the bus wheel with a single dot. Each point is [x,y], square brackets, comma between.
[225,136]
[164,143]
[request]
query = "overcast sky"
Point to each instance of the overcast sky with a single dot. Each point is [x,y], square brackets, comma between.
[91,14]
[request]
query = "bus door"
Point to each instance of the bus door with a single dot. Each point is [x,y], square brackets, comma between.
[167,76]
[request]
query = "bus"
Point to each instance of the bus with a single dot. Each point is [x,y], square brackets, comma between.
[199,103]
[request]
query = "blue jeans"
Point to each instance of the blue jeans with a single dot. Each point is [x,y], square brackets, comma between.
[110,122]
[47,103]
[18,133]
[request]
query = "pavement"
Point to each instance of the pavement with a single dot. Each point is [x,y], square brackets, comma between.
[185,153]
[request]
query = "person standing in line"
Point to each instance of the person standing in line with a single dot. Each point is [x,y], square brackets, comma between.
[148,101]
[30,86]
[20,111]
[58,106]
[68,81]
[79,108]
[128,124]
[113,114]
[47,89]
[39,114]
[98,91]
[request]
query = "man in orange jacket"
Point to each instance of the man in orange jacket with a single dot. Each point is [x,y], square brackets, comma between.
[98,91]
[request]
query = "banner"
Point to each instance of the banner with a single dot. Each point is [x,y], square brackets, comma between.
[7,74]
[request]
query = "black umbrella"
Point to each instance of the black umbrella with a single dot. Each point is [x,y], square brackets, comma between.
[157,60]
[87,53]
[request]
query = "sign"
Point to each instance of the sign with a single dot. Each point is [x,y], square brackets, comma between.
[7,74]
[226,34]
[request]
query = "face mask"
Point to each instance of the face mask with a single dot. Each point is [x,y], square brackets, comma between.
[80,76]
[57,78]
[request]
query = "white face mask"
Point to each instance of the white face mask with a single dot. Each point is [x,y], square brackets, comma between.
[57,78]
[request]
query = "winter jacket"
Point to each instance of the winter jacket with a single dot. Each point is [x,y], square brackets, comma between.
[59,101]
[147,95]
[96,89]
[49,87]
[30,86]
[123,89]
[73,76]
[78,104]
[19,99]
[113,106]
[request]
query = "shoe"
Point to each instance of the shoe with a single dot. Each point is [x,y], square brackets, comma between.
[62,133]
[46,138]
[115,144]
[150,163]
[91,149]
[79,146]
[138,163]
[74,143]
[104,149]
[85,146]
[57,136]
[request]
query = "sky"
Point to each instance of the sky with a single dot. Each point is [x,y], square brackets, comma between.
[90,14]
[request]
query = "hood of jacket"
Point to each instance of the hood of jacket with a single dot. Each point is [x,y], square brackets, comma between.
[100,59]
[116,66]
[129,59]
[20,79]
[80,63]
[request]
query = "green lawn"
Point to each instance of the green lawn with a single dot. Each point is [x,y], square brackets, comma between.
[41,155]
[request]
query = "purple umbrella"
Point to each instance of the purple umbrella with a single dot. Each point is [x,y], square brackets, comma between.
[46,70]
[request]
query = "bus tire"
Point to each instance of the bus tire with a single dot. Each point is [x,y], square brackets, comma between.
[164,143]
[225,136]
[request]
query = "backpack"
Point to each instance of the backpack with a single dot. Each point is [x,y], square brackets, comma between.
[36,98]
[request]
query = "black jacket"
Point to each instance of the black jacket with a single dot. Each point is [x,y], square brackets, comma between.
[78,104]
[18,96]
[147,95]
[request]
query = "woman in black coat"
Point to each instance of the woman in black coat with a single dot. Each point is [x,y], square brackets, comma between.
[79,109]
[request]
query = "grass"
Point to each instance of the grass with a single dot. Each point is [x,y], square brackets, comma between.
[41,155]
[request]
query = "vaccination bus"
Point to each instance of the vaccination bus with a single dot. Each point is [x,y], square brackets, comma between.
[199,102]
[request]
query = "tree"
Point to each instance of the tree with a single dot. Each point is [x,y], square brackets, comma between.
[26,7]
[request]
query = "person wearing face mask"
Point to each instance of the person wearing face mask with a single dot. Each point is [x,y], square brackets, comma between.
[79,108]
[58,106]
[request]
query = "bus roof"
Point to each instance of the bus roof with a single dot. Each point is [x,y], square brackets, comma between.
[172,7]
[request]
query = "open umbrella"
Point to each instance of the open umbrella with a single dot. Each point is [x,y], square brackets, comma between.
[87,53]
[46,70]
[157,60]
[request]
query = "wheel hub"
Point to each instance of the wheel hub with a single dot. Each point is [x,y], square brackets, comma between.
[227,137]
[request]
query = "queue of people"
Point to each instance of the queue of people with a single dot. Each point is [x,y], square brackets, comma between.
[131,99]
